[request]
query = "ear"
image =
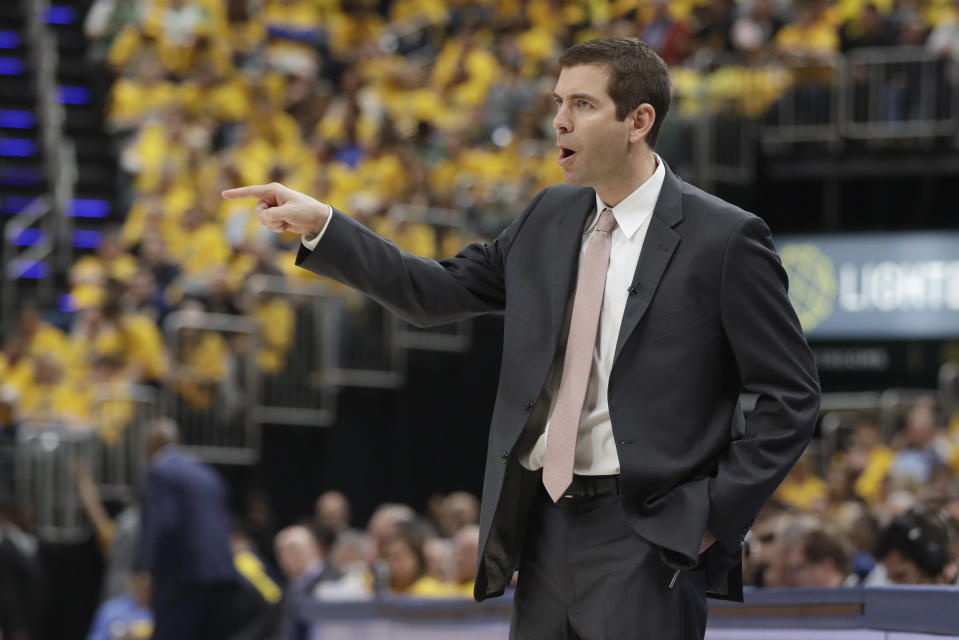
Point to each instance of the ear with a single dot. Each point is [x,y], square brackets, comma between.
[640,121]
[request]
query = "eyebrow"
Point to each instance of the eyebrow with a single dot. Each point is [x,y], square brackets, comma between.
[578,96]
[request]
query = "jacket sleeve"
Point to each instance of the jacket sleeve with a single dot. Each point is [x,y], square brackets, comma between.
[159,511]
[775,363]
[419,290]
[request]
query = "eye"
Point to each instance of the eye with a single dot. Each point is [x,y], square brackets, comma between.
[583,104]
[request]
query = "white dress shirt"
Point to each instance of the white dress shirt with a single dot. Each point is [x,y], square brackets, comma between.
[310,242]
[595,447]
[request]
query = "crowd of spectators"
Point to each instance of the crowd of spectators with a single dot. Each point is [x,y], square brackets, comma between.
[883,511]
[366,105]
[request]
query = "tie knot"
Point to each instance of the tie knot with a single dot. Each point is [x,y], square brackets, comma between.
[606,221]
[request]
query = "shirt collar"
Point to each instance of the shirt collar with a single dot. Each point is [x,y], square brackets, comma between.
[638,206]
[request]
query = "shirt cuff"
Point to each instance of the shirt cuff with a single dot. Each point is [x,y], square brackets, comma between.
[310,241]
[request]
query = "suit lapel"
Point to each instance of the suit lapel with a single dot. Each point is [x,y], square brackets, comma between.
[658,247]
[563,246]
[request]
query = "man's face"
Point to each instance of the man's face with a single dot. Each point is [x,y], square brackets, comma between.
[901,570]
[586,125]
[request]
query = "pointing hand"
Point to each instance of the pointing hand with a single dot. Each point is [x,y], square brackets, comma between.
[283,209]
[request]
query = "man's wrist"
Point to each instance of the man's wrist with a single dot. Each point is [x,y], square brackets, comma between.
[321,222]
[310,240]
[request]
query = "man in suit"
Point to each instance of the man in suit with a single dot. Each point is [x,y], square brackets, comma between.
[621,477]
[185,544]
[301,558]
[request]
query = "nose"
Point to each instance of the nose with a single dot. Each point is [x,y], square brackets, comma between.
[561,122]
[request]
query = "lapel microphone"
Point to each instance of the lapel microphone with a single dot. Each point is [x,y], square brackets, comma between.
[633,289]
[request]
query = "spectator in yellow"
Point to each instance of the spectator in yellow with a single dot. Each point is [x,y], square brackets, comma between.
[186,30]
[870,457]
[202,359]
[277,326]
[110,261]
[407,564]
[203,247]
[207,92]
[465,550]
[16,366]
[465,70]
[139,92]
[811,35]
[802,488]
[143,353]
[40,336]
[52,397]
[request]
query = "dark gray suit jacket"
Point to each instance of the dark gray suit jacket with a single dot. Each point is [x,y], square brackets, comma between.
[708,318]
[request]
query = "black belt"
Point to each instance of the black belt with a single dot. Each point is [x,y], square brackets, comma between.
[592,486]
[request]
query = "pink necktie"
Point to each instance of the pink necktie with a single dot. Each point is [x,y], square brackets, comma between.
[564,422]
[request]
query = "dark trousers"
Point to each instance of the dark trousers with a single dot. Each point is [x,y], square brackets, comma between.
[199,612]
[584,574]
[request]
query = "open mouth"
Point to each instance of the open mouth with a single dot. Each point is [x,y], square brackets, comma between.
[565,153]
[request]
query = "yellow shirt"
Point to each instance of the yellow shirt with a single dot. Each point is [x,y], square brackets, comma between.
[49,340]
[249,566]
[820,37]
[277,325]
[429,587]
[130,101]
[206,361]
[869,482]
[203,249]
[145,346]
[802,494]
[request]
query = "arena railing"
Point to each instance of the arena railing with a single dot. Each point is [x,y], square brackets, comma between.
[725,105]
[341,339]
[854,613]
[839,410]
[50,247]
[454,337]
[214,385]
[898,92]
[28,264]
[949,390]
[294,377]
[121,414]
[44,456]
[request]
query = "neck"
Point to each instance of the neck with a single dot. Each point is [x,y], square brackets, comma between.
[639,171]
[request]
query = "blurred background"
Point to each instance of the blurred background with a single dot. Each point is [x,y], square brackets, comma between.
[130,290]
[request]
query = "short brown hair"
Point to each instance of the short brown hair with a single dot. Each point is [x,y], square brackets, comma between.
[818,546]
[637,75]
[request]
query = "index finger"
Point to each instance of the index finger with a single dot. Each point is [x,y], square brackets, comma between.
[262,191]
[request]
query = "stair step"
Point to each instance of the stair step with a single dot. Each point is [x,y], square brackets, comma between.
[96,177]
[83,121]
[20,172]
[15,87]
[22,191]
[75,94]
[11,42]
[82,238]
[19,119]
[20,148]
[90,206]
[12,11]
[77,67]
[94,147]
[13,65]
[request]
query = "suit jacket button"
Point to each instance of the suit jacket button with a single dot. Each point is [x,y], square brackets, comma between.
[504,456]
[530,405]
